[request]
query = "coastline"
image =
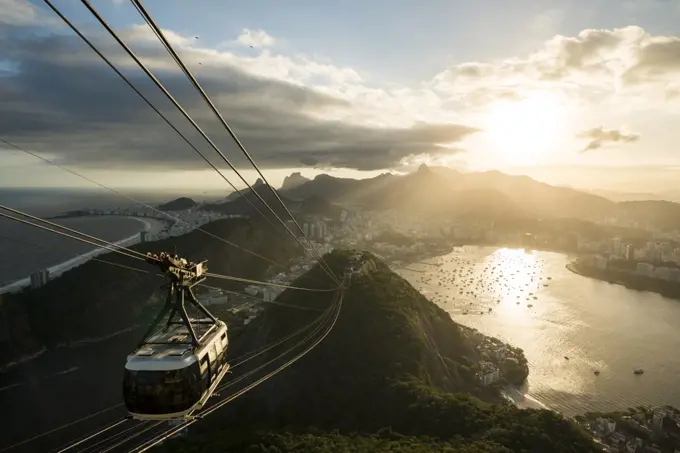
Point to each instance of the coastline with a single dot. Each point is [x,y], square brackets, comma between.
[511,393]
[526,396]
[58,269]
[615,281]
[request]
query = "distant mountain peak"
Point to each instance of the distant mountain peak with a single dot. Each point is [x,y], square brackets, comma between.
[178,204]
[423,168]
[259,182]
[293,180]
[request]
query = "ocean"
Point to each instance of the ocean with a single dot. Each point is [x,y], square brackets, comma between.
[569,326]
[25,249]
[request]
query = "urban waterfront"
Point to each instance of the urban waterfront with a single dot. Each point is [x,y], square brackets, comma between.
[568,325]
[32,249]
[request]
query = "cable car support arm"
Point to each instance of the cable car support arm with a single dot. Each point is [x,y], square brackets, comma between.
[183,277]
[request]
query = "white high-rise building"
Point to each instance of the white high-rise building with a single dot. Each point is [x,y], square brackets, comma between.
[40,278]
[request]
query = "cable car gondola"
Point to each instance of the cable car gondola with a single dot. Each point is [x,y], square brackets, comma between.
[175,369]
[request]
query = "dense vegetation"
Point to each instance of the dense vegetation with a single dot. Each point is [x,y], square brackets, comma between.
[395,374]
[394,238]
[316,441]
[97,299]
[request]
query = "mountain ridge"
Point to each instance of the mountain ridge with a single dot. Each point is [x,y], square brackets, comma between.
[247,203]
[235,195]
[293,180]
[334,188]
[493,194]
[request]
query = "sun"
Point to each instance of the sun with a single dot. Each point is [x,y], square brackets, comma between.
[522,132]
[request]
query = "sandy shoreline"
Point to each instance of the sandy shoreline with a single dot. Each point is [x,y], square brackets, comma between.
[76,261]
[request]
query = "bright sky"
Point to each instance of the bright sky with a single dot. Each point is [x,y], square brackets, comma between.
[559,90]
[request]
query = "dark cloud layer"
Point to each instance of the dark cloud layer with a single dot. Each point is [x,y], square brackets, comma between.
[62,99]
[598,137]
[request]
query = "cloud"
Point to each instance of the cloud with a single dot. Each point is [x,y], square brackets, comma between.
[287,111]
[142,34]
[656,59]
[599,137]
[18,13]
[255,38]
[615,61]
[561,57]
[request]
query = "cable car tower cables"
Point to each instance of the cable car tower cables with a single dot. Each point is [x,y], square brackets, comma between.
[159,33]
[188,117]
[108,247]
[150,104]
[141,203]
[129,251]
[133,253]
[249,387]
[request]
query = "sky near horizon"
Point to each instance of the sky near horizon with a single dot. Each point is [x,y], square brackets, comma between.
[585,93]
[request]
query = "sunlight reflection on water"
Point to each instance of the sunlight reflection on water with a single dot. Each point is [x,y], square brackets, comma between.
[551,313]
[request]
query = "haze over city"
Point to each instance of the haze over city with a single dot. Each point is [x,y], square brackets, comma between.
[572,93]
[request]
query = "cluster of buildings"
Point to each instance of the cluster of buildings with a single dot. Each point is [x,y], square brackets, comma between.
[314,227]
[617,249]
[190,219]
[362,229]
[488,373]
[495,356]
[655,259]
[182,222]
[641,431]
[358,225]
[246,307]
[317,230]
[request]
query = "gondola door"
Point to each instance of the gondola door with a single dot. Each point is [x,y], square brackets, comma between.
[212,356]
[205,373]
[220,356]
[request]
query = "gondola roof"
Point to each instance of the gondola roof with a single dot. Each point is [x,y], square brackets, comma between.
[168,350]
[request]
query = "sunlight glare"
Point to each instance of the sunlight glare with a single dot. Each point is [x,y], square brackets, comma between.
[520,132]
[516,265]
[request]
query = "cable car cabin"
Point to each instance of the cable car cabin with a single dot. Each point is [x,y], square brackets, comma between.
[167,378]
